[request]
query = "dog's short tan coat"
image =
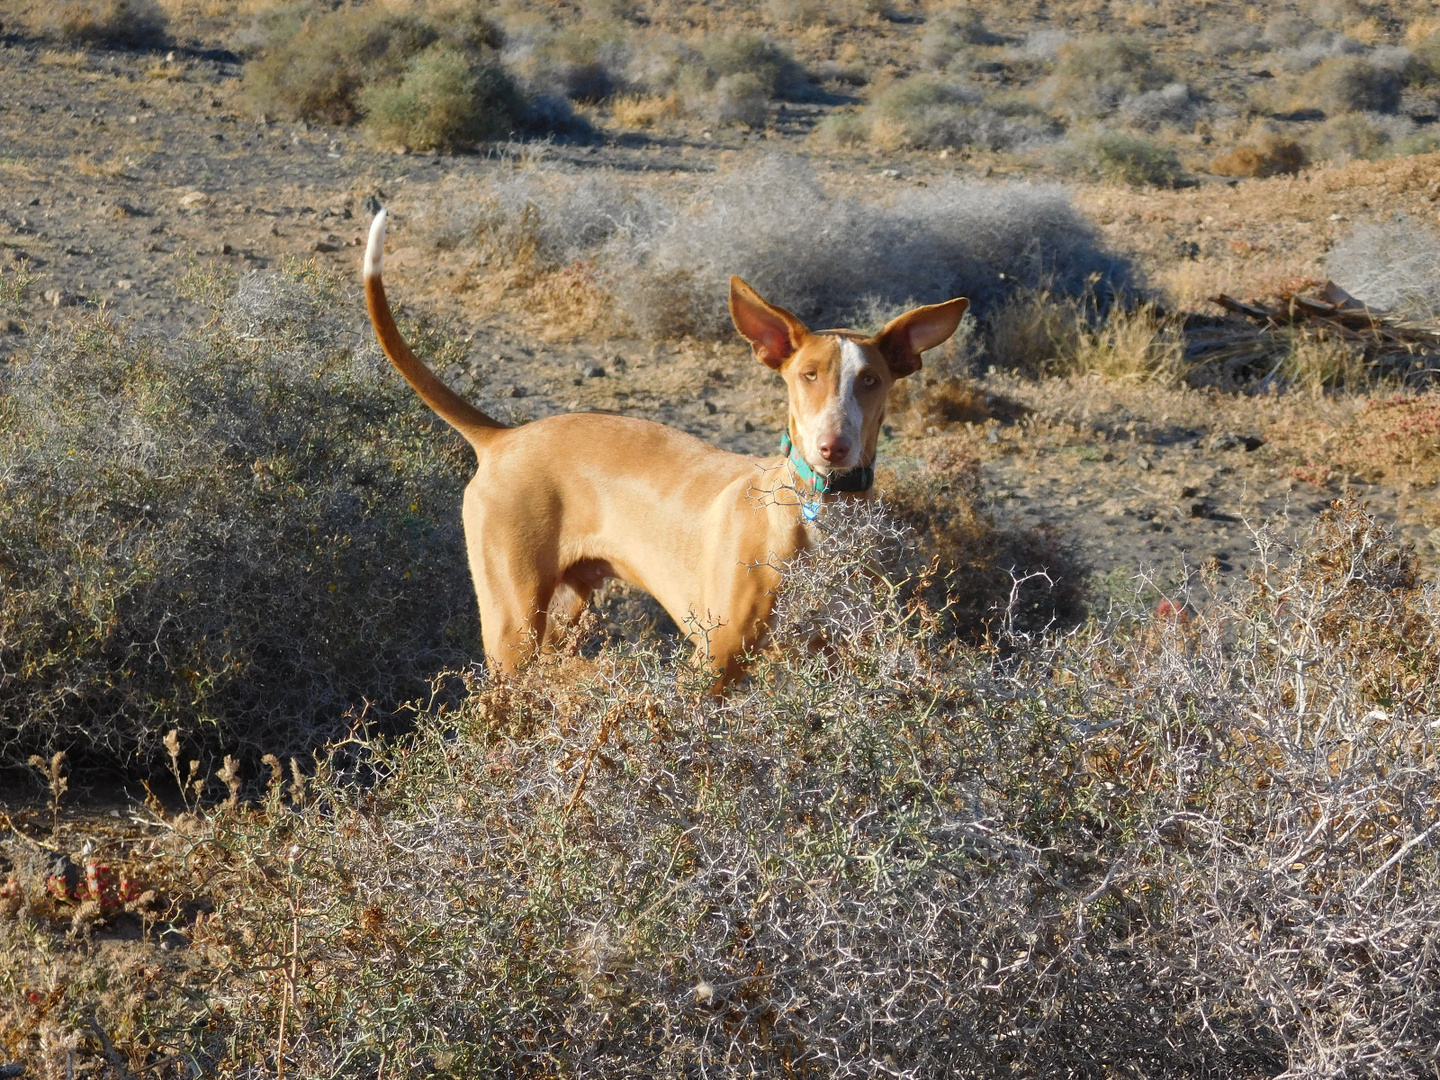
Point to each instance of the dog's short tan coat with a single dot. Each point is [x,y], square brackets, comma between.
[560,504]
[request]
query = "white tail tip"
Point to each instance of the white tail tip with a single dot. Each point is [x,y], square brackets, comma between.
[375,249]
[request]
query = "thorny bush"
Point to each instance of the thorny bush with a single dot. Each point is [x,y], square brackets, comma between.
[1199,840]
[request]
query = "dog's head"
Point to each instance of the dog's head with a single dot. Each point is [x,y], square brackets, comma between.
[838,380]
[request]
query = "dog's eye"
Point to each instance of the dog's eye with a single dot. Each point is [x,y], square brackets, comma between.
[869,381]
[810,376]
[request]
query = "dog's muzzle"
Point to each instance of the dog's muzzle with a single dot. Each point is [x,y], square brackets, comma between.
[860,479]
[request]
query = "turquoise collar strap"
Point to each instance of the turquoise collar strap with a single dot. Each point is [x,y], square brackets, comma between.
[859,479]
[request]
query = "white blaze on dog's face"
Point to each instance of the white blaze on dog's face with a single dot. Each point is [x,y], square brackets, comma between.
[838,380]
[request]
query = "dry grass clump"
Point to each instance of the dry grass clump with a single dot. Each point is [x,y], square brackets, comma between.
[1096,75]
[1200,839]
[229,537]
[931,111]
[425,81]
[140,24]
[1041,334]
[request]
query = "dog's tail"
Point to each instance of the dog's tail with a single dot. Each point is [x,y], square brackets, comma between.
[451,407]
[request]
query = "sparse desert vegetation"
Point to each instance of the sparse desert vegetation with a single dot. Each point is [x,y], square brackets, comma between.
[1121,754]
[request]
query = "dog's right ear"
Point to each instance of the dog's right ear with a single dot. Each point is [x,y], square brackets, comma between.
[772,332]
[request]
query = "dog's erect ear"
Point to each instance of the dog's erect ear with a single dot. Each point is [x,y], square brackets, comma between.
[907,336]
[773,332]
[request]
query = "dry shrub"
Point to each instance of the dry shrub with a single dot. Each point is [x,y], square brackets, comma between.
[1345,84]
[929,111]
[1393,265]
[832,259]
[1095,75]
[242,536]
[1173,105]
[951,32]
[729,77]
[1041,334]
[1275,155]
[1360,135]
[806,13]
[140,24]
[1198,839]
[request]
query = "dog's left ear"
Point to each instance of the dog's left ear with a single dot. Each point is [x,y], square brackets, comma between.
[907,336]
[773,332]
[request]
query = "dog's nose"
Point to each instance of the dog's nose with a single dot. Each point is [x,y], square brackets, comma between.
[836,449]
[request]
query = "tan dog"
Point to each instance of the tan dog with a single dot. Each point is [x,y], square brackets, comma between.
[558,505]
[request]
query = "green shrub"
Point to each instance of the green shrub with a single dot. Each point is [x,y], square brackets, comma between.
[1095,75]
[432,81]
[318,72]
[1126,158]
[446,100]
[241,536]
[1351,84]
[134,23]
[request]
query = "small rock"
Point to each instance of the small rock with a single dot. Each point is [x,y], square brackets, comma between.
[620,364]
[513,391]
[194,200]
[371,205]
[749,426]
[711,408]
[1229,440]
[55,298]
[1143,462]
[322,247]
[593,371]
[124,284]
[892,174]
[1199,509]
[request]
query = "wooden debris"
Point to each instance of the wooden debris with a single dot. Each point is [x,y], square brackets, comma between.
[1237,349]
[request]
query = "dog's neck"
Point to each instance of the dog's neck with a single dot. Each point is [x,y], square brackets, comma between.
[854,480]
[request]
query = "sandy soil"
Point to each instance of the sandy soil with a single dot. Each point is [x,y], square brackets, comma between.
[121,172]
